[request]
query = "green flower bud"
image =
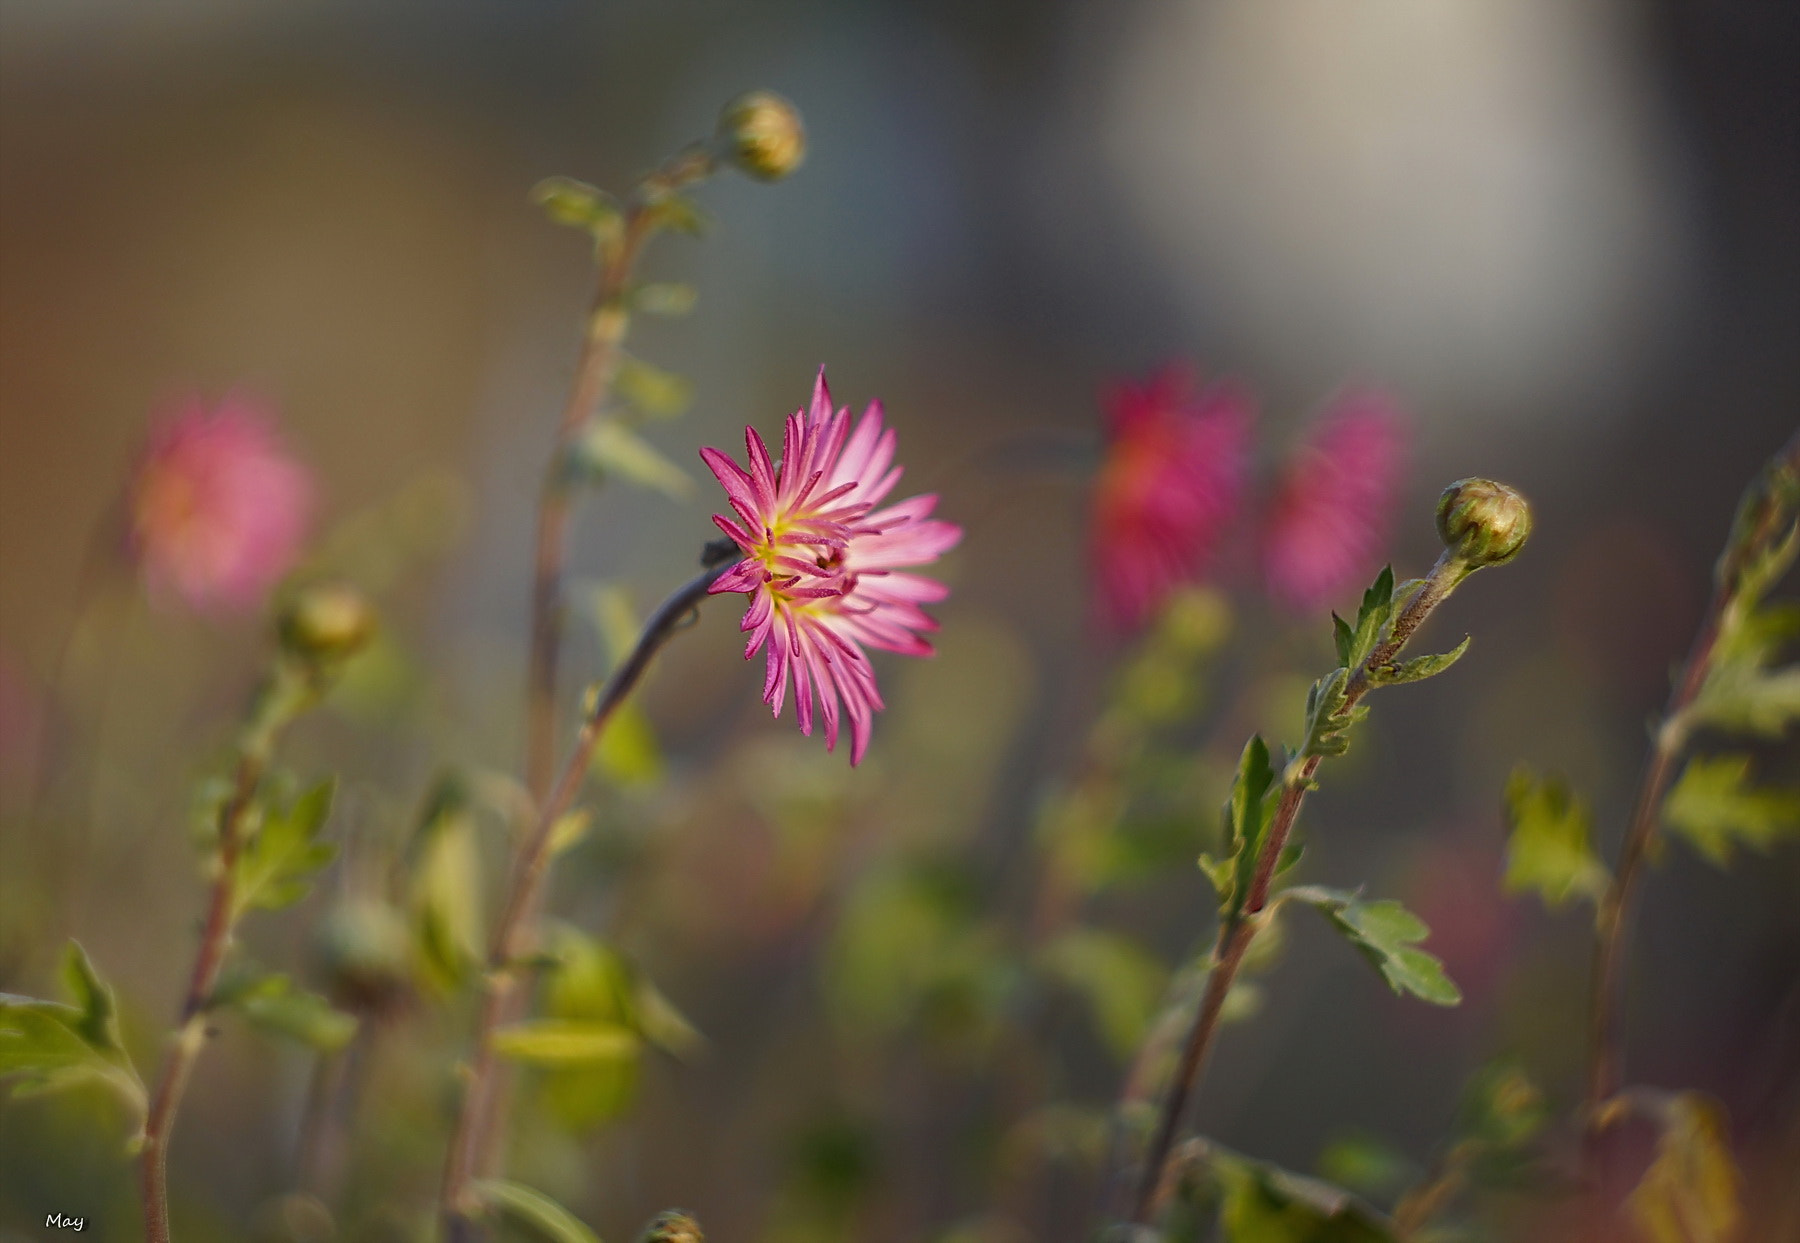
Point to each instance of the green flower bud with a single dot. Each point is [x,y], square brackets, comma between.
[672,1226]
[326,622]
[1483,522]
[761,133]
[364,951]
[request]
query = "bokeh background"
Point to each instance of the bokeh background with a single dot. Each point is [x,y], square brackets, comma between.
[1562,234]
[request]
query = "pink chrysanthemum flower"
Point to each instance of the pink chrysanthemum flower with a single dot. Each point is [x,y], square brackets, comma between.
[1325,526]
[823,567]
[1170,486]
[217,508]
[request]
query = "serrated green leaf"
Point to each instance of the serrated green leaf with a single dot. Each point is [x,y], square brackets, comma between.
[1386,933]
[1548,851]
[653,392]
[46,1046]
[1377,606]
[1121,982]
[1247,815]
[1327,723]
[1417,669]
[275,866]
[444,901]
[566,1042]
[664,298]
[578,205]
[274,1003]
[1689,1193]
[1344,639]
[1743,697]
[1715,808]
[532,1210]
[610,449]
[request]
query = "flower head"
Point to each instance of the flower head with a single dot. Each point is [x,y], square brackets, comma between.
[823,567]
[1325,526]
[217,507]
[1171,484]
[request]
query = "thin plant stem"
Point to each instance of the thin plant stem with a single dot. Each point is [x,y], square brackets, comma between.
[1234,939]
[1760,524]
[479,1123]
[276,705]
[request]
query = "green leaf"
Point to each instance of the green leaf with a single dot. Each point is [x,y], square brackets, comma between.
[532,1210]
[1417,669]
[1715,808]
[578,205]
[1247,815]
[653,392]
[1261,1203]
[1122,983]
[663,298]
[678,215]
[274,1003]
[1743,697]
[275,866]
[1365,1164]
[445,902]
[1549,850]
[93,997]
[566,1042]
[609,448]
[1355,643]
[1386,934]
[628,754]
[1327,722]
[46,1046]
[1689,1194]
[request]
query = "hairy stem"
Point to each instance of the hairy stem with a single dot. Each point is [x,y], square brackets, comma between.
[479,1122]
[1760,523]
[276,706]
[1235,938]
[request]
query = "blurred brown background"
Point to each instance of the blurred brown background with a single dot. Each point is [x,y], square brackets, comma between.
[1564,234]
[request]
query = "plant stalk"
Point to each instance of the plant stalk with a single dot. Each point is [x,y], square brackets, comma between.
[1234,940]
[479,1123]
[276,705]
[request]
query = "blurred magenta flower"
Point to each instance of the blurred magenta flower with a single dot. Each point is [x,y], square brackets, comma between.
[1325,526]
[823,567]
[217,508]
[1171,484]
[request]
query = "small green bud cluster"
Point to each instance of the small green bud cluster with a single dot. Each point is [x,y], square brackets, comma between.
[761,133]
[1482,522]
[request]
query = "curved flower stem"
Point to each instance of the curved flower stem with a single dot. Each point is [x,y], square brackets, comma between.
[1234,939]
[1760,523]
[276,705]
[479,1124]
[608,321]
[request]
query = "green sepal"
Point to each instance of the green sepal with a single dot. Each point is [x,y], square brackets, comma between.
[531,1210]
[1548,851]
[1387,934]
[275,866]
[1417,669]
[1714,807]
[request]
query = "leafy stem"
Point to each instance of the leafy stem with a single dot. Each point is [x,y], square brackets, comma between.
[1761,545]
[1368,650]
[289,691]
[479,1122]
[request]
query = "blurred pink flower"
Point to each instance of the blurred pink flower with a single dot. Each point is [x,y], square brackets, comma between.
[822,565]
[1325,526]
[1171,484]
[217,507]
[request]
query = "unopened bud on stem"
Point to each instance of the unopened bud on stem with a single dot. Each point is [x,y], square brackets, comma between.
[762,134]
[1482,522]
[326,622]
[672,1226]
